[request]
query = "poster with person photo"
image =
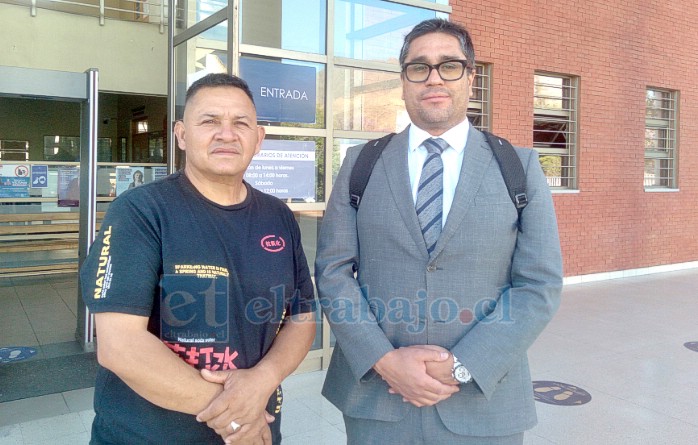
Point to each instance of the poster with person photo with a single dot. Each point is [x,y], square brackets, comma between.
[128,178]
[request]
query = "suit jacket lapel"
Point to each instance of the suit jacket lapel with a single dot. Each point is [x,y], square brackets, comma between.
[476,157]
[394,161]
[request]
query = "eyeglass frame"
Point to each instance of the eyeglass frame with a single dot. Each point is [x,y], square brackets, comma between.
[464,63]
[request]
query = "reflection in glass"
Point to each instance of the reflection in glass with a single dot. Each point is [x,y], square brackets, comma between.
[555,127]
[551,92]
[478,107]
[373,29]
[554,168]
[309,223]
[67,148]
[659,140]
[298,25]
[339,152]
[659,172]
[190,12]
[660,104]
[197,57]
[366,100]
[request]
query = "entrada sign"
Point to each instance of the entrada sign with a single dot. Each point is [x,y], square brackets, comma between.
[282,92]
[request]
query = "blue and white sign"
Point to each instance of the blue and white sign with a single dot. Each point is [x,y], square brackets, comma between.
[39,176]
[285,169]
[14,181]
[282,92]
[16,353]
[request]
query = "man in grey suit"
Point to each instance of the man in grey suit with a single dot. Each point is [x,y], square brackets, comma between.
[432,291]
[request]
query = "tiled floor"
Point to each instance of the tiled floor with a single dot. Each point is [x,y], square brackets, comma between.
[621,340]
[38,311]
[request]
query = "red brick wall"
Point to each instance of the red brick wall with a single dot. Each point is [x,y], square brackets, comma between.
[617,48]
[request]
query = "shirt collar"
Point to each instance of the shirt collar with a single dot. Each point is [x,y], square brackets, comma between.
[456,137]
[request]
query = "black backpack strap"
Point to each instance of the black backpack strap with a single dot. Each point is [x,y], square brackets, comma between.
[363,168]
[512,171]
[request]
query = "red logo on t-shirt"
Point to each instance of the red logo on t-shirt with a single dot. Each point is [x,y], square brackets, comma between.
[273,243]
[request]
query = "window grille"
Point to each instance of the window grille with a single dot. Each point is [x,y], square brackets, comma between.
[660,139]
[479,106]
[555,128]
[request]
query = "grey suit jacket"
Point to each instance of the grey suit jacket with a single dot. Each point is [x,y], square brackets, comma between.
[486,292]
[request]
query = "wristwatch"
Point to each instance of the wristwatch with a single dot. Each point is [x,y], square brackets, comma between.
[460,373]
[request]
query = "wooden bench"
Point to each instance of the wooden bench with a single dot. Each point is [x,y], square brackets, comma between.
[27,233]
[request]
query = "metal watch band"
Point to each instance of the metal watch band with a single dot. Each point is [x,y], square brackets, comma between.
[459,372]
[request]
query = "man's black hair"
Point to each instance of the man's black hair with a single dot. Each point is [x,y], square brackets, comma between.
[445,27]
[218,80]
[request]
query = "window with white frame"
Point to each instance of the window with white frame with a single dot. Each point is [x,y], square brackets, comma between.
[660,138]
[555,127]
[479,106]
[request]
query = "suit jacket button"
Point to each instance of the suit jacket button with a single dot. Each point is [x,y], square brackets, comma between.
[431,268]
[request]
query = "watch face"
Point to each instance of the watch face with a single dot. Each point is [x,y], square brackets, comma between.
[462,374]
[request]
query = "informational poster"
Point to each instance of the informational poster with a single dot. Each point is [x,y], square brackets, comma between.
[159,172]
[39,178]
[285,169]
[69,187]
[128,178]
[14,181]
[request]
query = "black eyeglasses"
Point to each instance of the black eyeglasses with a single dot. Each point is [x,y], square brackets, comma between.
[448,70]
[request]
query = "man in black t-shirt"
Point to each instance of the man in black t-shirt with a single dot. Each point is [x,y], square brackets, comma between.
[201,291]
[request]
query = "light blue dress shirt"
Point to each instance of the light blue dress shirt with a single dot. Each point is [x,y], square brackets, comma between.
[452,159]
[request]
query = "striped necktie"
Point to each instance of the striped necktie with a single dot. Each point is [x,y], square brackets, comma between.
[429,204]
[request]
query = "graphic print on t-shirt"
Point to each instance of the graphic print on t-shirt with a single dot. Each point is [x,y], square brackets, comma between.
[194,315]
[273,243]
[104,272]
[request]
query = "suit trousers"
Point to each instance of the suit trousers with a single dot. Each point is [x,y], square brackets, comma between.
[421,426]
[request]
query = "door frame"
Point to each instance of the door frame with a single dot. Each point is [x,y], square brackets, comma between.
[65,86]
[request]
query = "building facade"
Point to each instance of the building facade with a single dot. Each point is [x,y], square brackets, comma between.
[633,119]
[604,91]
[39,127]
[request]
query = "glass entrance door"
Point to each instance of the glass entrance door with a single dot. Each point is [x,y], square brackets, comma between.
[47,118]
[39,157]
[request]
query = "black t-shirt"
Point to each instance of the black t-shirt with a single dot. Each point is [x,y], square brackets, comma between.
[215,281]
